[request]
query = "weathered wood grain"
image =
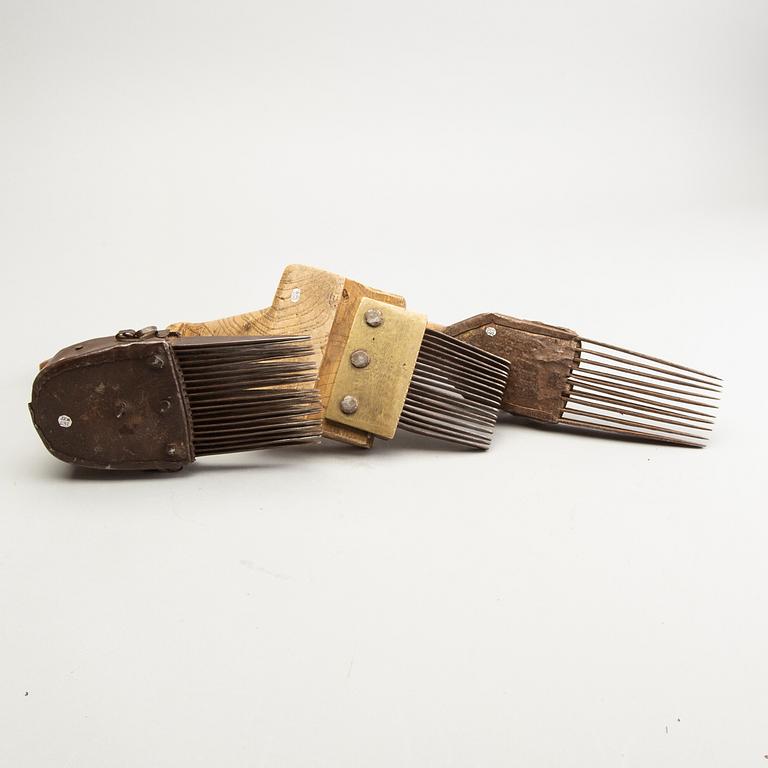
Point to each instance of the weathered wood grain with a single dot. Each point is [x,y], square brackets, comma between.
[542,358]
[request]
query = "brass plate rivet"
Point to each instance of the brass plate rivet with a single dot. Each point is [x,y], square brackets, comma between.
[374,318]
[359,358]
[349,405]
[490,331]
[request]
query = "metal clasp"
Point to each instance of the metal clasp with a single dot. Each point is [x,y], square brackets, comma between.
[150,332]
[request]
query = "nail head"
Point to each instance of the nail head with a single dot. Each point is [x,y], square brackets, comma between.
[374,318]
[349,405]
[359,358]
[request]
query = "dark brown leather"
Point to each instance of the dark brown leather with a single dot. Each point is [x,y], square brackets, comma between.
[114,405]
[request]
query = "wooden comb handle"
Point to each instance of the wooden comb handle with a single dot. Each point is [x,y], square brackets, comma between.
[542,357]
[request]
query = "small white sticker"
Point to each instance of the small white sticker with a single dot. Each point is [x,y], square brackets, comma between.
[65,421]
[295,295]
[490,331]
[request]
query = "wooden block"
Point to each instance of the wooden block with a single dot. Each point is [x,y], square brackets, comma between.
[542,358]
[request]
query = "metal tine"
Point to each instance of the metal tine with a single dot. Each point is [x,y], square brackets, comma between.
[205,421]
[247,423]
[635,424]
[628,361]
[432,385]
[451,347]
[242,357]
[641,415]
[259,398]
[220,348]
[629,433]
[649,357]
[255,439]
[631,404]
[678,382]
[250,437]
[462,406]
[203,342]
[456,422]
[245,360]
[614,378]
[460,358]
[251,394]
[461,368]
[462,386]
[295,436]
[242,395]
[460,347]
[621,389]
[418,401]
[459,416]
[640,430]
[185,345]
[252,444]
[233,387]
[665,403]
[299,422]
[242,383]
[457,353]
[458,378]
[455,391]
[202,364]
[436,428]
[448,438]
[226,406]
[226,343]
[209,410]
[237,435]
[433,398]
[461,389]
[254,370]
[240,448]
[478,389]
[419,427]
[291,410]
[252,434]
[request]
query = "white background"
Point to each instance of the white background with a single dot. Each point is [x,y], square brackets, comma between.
[558,601]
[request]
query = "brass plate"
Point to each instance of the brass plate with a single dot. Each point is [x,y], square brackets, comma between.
[380,387]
